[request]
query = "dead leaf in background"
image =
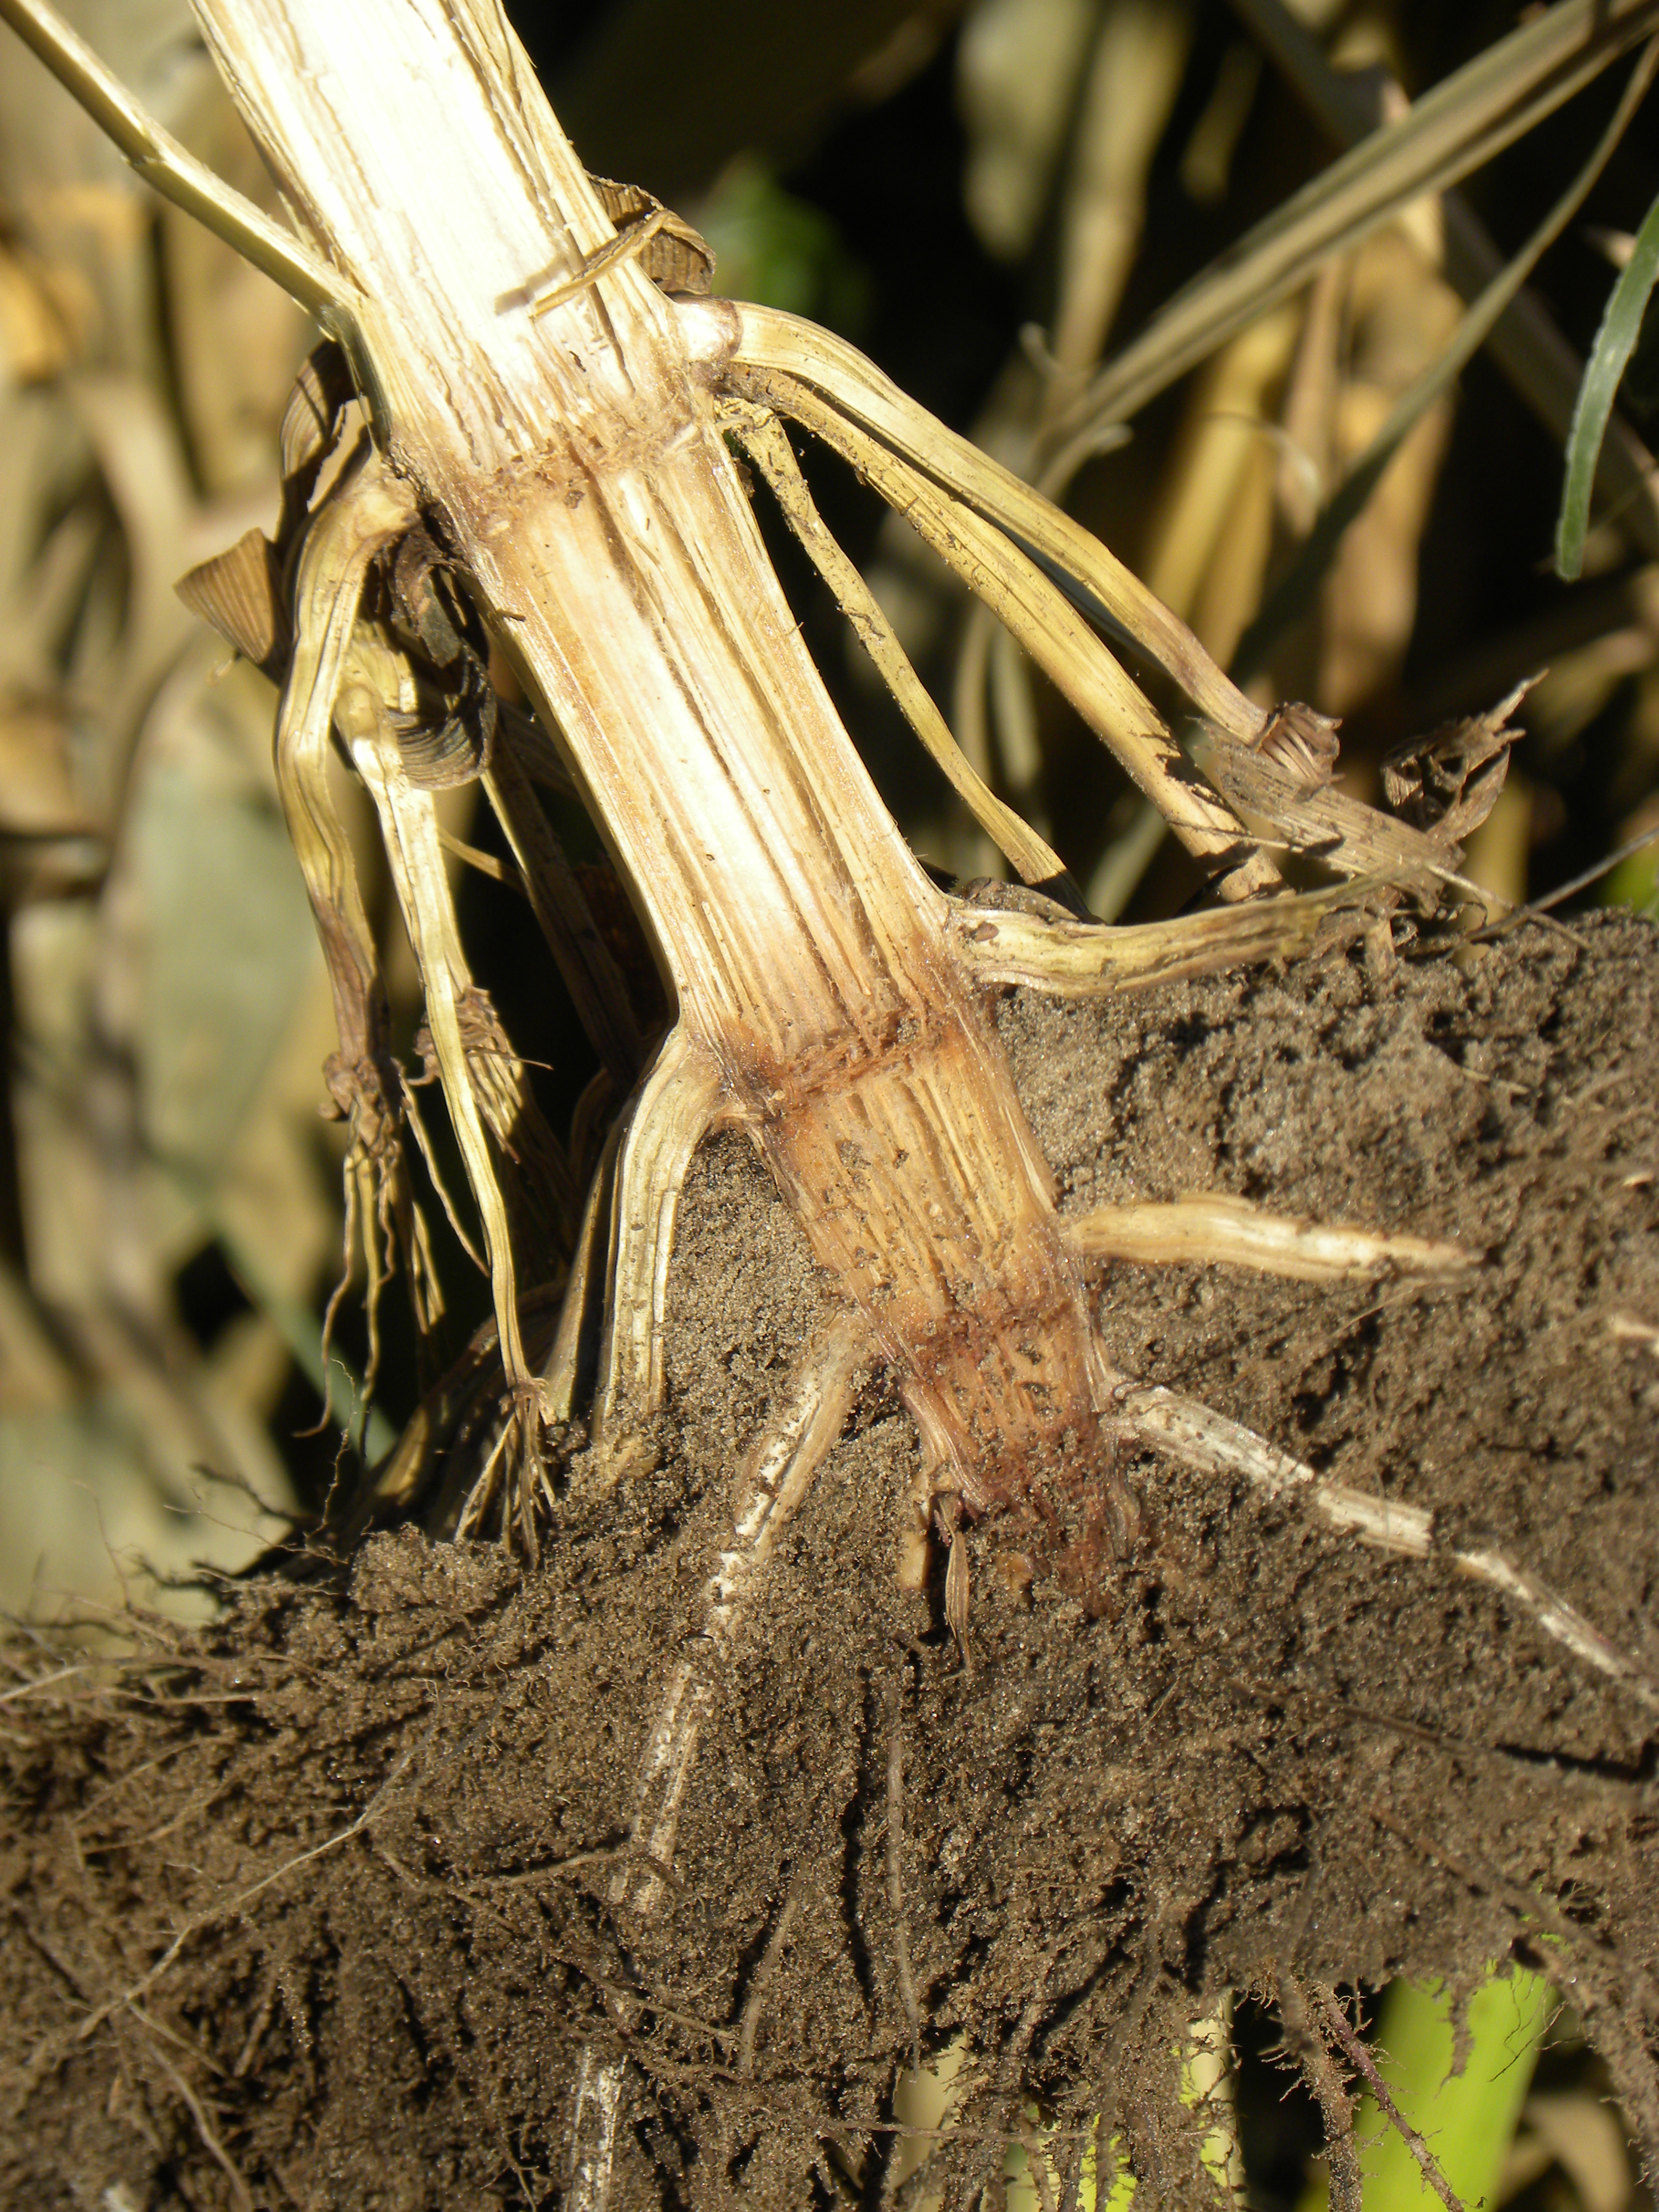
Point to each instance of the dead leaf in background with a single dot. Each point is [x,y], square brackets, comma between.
[160,958]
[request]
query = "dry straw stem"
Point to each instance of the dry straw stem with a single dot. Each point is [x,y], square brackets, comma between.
[573,465]
[576,462]
[829,999]
[579,466]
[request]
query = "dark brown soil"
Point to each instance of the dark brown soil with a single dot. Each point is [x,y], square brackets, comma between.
[311,1909]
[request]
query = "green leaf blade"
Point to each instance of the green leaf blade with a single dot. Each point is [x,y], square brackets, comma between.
[1615,342]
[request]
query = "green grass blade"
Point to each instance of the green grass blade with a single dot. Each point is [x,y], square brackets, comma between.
[1615,342]
[1526,344]
[1468,2119]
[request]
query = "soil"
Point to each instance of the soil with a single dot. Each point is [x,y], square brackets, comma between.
[314,1907]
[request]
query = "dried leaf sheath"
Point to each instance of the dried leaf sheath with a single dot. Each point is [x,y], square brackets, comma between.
[340,543]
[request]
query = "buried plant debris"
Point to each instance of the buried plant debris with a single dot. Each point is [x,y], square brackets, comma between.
[336,1901]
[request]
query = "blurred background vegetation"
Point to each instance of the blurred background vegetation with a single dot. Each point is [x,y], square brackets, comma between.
[988,196]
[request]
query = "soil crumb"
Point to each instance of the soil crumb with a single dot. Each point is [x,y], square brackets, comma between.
[319,1906]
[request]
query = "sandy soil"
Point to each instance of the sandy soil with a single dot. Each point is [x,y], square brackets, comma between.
[316,1907]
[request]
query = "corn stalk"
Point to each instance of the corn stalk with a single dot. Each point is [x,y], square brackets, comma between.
[555,423]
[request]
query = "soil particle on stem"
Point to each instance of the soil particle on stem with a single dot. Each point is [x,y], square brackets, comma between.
[315,1906]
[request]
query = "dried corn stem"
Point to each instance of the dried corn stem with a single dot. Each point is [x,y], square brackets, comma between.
[553,424]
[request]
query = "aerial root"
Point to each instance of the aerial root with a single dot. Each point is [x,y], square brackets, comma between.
[765,1967]
[595,2108]
[764,438]
[381,1222]
[482,1084]
[765,339]
[582,1310]
[895,1867]
[1190,1433]
[957,1594]
[933,1506]
[675,1104]
[622,1250]
[915,1550]
[777,1473]
[364,515]
[1008,945]
[349,674]
[516,1470]
[1214,1228]
[1000,569]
